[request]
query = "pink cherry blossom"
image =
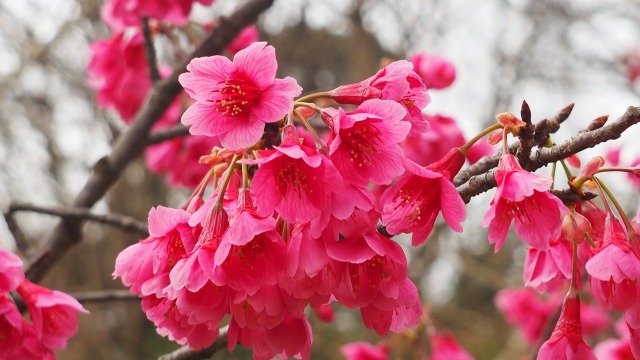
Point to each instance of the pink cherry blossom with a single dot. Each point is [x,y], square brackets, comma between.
[119,72]
[251,253]
[613,349]
[523,197]
[445,347]
[11,273]
[413,203]
[614,269]
[324,312]
[33,348]
[294,180]
[54,314]
[234,100]
[373,264]
[566,342]
[393,312]
[436,71]
[119,14]
[365,351]
[291,338]
[364,143]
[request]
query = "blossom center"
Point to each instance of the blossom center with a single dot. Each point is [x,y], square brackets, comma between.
[363,141]
[292,175]
[235,96]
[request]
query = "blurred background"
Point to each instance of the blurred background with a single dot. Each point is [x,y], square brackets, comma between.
[551,53]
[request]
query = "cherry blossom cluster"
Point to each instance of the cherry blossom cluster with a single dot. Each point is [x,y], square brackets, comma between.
[292,220]
[53,315]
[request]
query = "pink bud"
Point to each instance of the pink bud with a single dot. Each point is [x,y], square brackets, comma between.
[574,227]
[592,167]
[436,71]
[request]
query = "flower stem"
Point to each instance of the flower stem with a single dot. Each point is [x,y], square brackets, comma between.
[566,170]
[313,96]
[225,182]
[245,176]
[320,146]
[479,136]
[623,215]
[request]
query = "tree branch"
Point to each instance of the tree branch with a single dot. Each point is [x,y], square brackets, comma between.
[542,132]
[184,353]
[124,222]
[105,296]
[132,143]
[543,156]
[168,134]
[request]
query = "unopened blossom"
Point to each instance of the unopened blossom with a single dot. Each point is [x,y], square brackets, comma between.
[413,203]
[566,342]
[445,347]
[294,180]
[364,351]
[364,143]
[523,197]
[324,312]
[11,273]
[54,314]
[119,14]
[614,269]
[235,99]
[436,71]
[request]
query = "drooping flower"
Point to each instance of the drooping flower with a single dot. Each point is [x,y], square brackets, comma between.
[614,269]
[413,203]
[54,314]
[523,197]
[566,342]
[396,81]
[119,72]
[234,100]
[436,71]
[11,328]
[294,180]
[11,273]
[548,270]
[522,308]
[364,143]
[445,347]
[444,134]
[393,313]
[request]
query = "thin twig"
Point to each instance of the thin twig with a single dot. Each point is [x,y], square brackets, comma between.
[150,51]
[542,131]
[105,296]
[587,139]
[168,134]
[21,240]
[131,144]
[121,221]
[184,353]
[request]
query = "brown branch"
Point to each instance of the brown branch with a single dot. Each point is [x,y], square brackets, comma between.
[105,296]
[583,140]
[21,240]
[184,353]
[168,134]
[150,51]
[542,132]
[121,221]
[132,143]
[526,135]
